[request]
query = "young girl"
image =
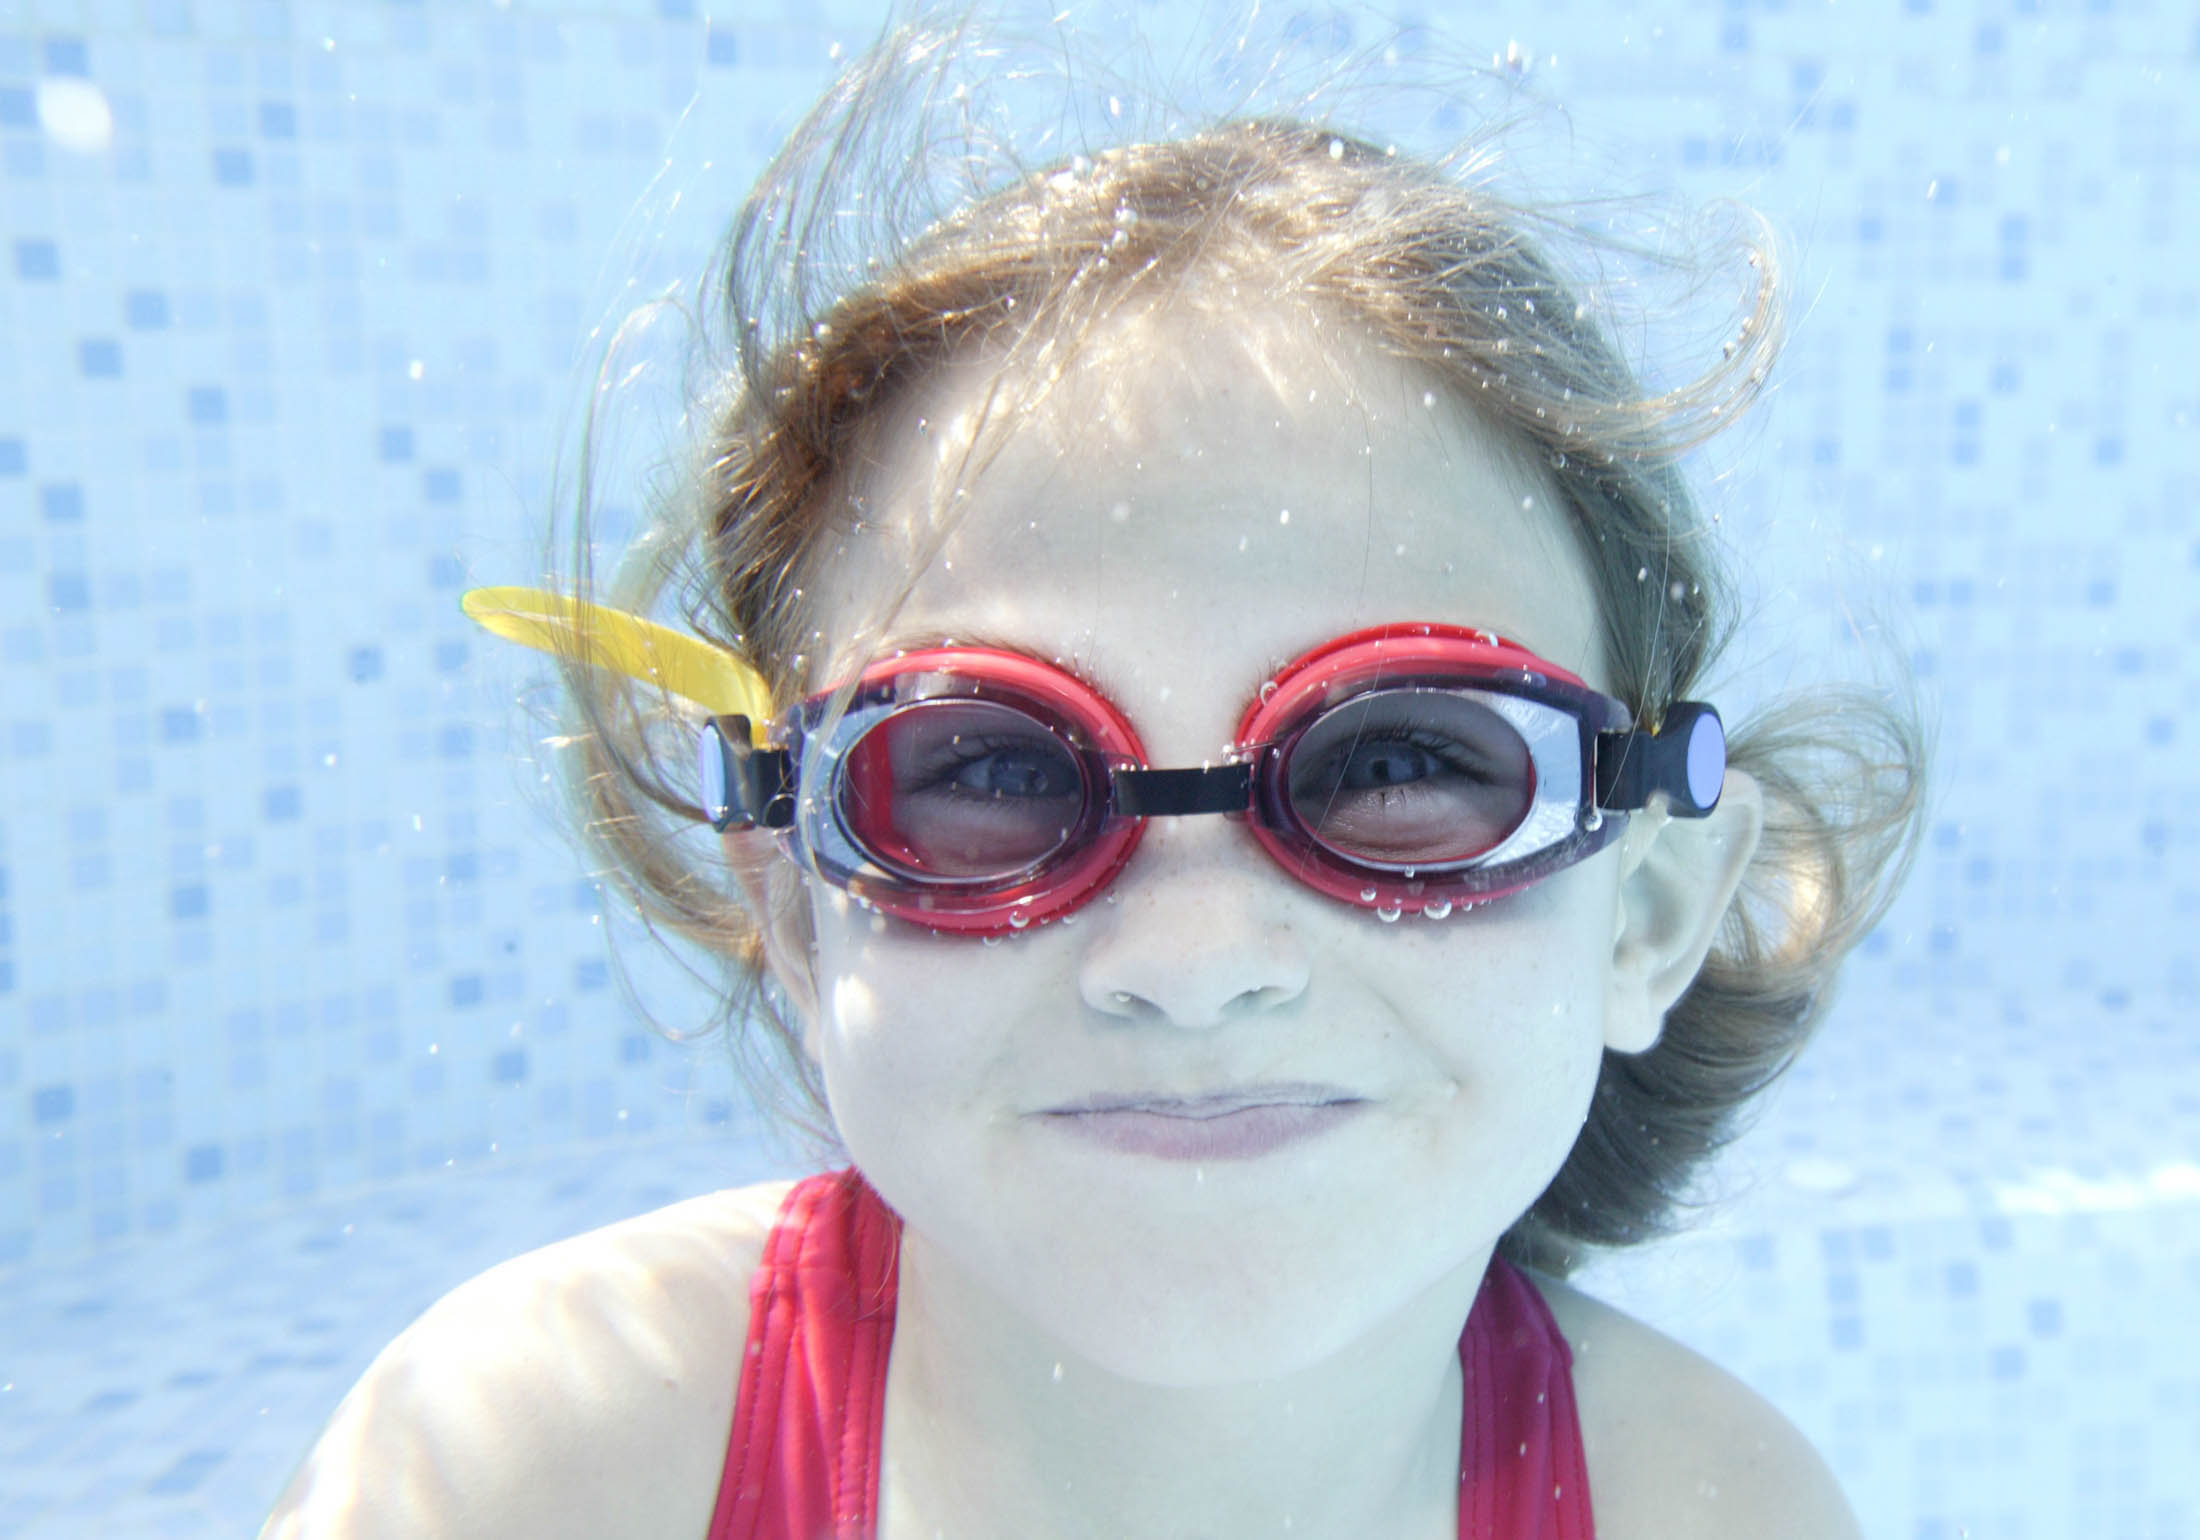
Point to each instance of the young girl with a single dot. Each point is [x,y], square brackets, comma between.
[1208,1175]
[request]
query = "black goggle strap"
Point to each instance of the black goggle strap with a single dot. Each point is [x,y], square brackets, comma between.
[1685,758]
[744,787]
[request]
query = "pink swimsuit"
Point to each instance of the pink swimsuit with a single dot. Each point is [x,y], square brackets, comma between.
[803,1462]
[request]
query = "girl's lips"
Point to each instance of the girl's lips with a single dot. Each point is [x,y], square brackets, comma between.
[1207,1128]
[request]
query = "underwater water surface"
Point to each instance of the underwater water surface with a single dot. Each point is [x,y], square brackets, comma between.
[306,1012]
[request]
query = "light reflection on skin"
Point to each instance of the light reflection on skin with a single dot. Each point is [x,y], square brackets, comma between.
[1287,1325]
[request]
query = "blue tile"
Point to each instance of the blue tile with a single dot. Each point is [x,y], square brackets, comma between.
[67,56]
[145,310]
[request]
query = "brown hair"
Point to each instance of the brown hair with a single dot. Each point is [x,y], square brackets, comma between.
[1437,270]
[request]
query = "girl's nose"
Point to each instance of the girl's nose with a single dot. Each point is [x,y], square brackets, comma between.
[1194,949]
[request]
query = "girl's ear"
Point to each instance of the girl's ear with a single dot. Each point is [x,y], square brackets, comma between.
[1677,876]
[779,904]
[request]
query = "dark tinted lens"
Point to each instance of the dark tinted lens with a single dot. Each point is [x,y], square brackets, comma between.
[961,789]
[1410,777]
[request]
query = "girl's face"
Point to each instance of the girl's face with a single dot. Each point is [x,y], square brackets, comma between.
[1197,502]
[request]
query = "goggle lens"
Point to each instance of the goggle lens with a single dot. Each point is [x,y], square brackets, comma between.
[961,791]
[1409,778]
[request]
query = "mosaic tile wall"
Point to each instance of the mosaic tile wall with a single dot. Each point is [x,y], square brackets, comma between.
[296,312]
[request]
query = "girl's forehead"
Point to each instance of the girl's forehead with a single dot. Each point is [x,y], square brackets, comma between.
[1248,484]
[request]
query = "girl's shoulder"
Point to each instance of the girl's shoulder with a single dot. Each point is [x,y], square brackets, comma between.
[1677,1446]
[585,1388]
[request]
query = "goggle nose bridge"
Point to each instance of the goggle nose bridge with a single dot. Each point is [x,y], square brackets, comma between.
[1175,793]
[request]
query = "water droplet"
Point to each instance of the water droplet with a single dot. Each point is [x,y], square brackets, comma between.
[1069,919]
[1428,398]
[1057,1374]
[1284,517]
[1019,918]
[1336,149]
[1268,690]
[1436,909]
[1593,820]
[989,940]
[1642,574]
[1367,895]
[1389,913]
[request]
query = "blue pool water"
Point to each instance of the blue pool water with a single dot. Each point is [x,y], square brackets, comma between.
[305,1010]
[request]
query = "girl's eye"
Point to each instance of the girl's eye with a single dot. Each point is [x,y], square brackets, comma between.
[1019,771]
[1391,762]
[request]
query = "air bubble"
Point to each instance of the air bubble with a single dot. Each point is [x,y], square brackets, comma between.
[1367,895]
[1019,918]
[989,940]
[1436,909]
[1388,914]
[1267,690]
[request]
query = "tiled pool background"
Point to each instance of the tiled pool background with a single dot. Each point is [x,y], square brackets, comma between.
[304,1010]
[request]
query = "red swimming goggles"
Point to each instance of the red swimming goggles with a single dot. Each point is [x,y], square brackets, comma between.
[1404,769]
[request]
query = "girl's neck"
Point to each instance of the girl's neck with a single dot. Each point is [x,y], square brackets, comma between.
[982,1439]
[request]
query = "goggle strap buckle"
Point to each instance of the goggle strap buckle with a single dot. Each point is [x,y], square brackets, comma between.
[756,785]
[1685,758]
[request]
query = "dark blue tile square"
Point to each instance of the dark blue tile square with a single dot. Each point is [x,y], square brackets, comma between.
[53,1104]
[145,310]
[67,56]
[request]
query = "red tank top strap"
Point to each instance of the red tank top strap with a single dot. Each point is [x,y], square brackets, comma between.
[1522,1471]
[809,1418]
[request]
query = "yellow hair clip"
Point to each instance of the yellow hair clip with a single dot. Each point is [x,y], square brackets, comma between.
[682,665]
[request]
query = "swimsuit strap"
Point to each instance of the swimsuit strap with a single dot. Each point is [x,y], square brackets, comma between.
[809,1419]
[1522,1471]
[802,1463]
